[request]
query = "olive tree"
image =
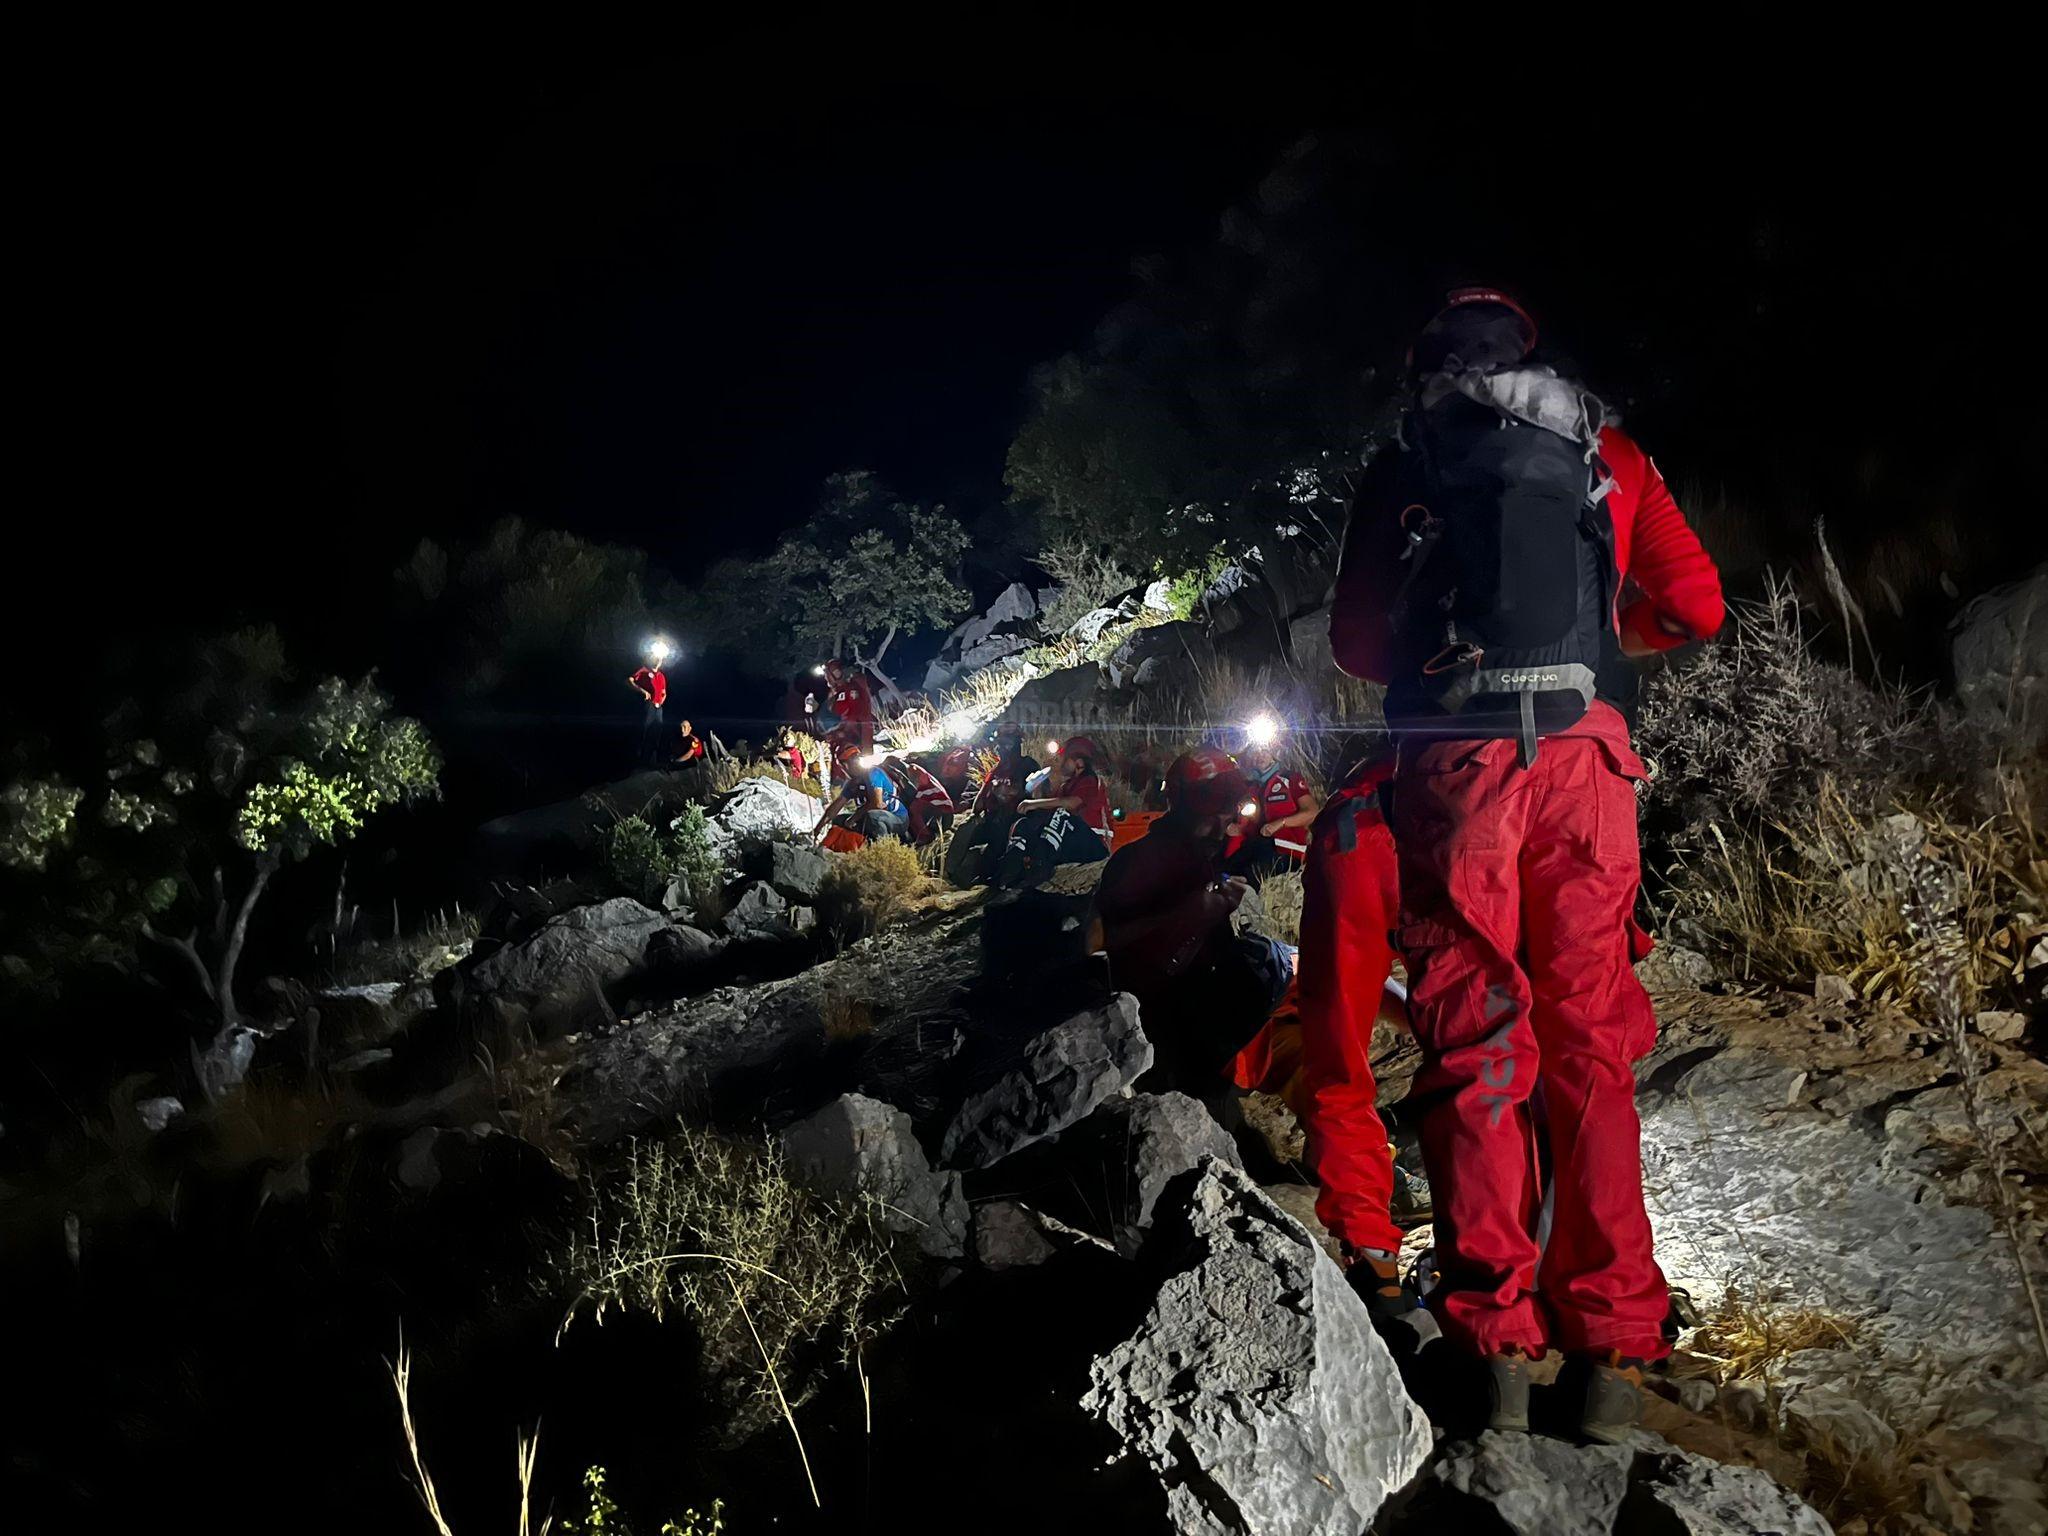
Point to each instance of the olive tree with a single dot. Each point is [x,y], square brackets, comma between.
[171,847]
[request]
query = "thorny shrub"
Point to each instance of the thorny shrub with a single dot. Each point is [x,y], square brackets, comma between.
[1791,801]
[777,1281]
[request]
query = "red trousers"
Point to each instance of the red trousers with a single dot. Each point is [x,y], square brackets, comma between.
[1350,895]
[1517,894]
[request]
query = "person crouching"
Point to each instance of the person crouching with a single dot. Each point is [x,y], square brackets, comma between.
[1065,823]
[867,801]
[1165,907]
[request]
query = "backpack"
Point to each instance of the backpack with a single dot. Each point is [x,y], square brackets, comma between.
[1505,607]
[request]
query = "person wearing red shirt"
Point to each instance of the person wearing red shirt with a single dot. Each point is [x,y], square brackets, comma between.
[690,749]
[852,705]
[1518,879]
[926,804]
[1067,825]
[793,755]
[651,683]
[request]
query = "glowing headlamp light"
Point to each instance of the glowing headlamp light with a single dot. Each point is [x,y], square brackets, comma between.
[659,649]
[1263,731]
[1053,748]
[1249,808]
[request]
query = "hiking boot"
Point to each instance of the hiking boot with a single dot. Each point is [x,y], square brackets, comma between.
[1508,1381]
[1410,1203]
[1614,1399]
[1403,1323]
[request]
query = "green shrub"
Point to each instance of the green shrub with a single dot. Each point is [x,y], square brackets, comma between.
[1184,592]
[641,859]
[602,1516]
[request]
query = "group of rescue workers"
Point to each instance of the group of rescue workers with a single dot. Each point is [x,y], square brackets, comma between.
[1499,573]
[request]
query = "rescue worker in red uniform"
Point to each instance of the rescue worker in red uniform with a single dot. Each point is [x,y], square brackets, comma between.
[1066,824]
[926,804]
[1274,836]
[852,705]
[1518,856]
[651,683]
[1164,905]
[1350,896]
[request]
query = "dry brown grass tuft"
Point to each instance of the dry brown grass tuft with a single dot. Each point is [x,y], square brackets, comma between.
[1747,1339]
[847,1017]
[1280,897]
[870,888]
[1826,890]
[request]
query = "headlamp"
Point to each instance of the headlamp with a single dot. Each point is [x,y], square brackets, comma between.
[1263,731]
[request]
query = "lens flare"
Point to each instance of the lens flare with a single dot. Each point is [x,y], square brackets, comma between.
[1263,731]
[659,649]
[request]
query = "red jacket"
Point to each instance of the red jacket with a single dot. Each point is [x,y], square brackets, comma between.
[653,682]
[1668,575]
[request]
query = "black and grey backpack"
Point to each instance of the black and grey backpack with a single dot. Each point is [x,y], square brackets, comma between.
[1505,605]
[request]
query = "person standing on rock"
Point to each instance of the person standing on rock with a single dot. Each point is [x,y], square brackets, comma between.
[651,683]
[1496,573]
[1350,895]
[852,705]
[1165,905]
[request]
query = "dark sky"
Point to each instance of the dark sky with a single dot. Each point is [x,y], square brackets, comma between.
[307,300]
[312,315]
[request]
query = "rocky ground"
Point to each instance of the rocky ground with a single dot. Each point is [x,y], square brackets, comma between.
[1804,1158]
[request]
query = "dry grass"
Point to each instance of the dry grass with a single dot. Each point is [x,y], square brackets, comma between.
[776,1281]
[847,1017]
[869,888]
[1826,889]
[1747,1339]
[1088,579]
[1280,897]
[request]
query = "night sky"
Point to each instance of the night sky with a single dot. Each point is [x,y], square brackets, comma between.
[301,315]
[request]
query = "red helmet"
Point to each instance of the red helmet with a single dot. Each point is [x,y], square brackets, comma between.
[1485,327]
[1206,782]
[849,753]
[1081,746]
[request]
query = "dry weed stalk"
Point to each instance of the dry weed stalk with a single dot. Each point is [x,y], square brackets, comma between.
[1945,956]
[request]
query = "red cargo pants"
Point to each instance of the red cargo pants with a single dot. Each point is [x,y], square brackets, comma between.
[1517,890]
[1349,898]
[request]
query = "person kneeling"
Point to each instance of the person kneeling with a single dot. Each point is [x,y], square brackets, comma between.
[867,801]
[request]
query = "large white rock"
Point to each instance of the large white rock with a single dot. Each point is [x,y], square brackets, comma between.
[1256,1388]
[760,811]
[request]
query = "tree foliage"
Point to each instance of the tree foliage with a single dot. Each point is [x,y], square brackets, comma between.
[866,568]
[518,623]
[197,801]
